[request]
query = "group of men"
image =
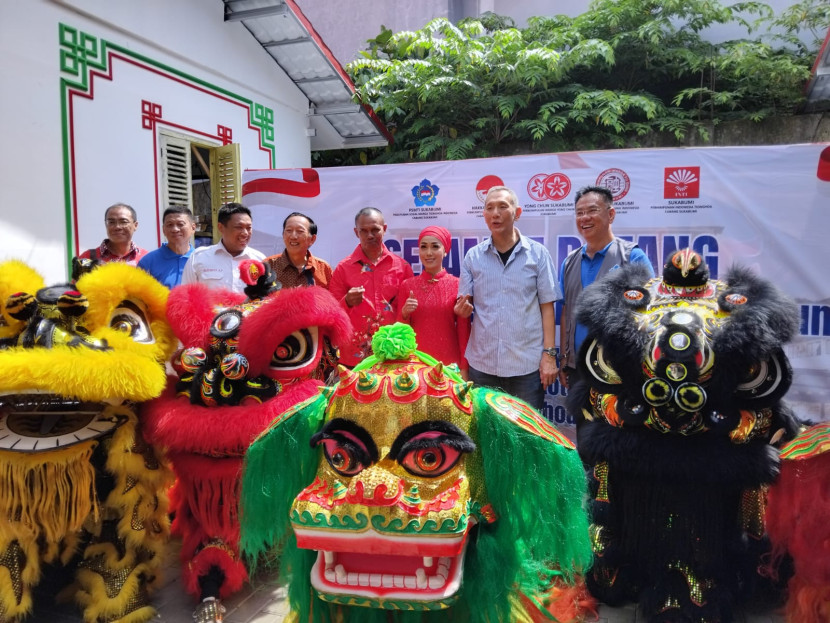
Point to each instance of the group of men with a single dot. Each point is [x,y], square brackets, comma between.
[508,283]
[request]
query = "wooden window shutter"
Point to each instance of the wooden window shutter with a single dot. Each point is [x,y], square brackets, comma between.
[225,180]
[176,180]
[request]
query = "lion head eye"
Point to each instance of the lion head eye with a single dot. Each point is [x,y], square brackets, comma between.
[226,324]
[296,350]
[344,458]
[130,317]
[430,457]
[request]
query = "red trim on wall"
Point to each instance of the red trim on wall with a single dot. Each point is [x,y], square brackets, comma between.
[226,134]
[112,56]
[149,113]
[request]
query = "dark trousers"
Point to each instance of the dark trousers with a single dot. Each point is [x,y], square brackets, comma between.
[528,387]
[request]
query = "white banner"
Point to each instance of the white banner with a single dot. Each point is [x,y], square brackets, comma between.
[763,207]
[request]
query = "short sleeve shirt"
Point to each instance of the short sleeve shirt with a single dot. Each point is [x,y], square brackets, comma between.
[507,336]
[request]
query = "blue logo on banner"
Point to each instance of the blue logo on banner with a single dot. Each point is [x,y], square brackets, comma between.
[425,193]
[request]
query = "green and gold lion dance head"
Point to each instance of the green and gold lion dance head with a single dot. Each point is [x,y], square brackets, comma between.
[404,488]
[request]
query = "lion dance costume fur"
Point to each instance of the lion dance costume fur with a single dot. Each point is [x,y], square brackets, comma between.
[798,522]
[79,487]
[681,380]
[403,494]
[244,361]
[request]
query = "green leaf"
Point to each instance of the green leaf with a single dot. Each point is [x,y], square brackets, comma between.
[606,78]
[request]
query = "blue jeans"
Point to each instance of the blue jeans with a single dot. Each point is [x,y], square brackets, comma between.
[528,387]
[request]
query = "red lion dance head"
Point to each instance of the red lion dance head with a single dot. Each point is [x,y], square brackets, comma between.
[243,362]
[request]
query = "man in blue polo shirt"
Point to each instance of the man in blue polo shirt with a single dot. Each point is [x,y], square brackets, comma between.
[167,262]
[601,253]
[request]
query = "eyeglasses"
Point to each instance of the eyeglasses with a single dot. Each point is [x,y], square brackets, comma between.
[111,222]
[588,212]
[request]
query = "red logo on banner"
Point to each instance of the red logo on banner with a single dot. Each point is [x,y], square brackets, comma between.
[681,183]
[536,187]
[551,187]
[486,183]
[557,186]
[615,180]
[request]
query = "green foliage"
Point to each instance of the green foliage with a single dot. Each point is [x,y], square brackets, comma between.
[623,70]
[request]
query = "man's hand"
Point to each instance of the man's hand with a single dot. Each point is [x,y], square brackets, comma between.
[409,306]
[463,306]
[354,296]
[563,379]
[548,370]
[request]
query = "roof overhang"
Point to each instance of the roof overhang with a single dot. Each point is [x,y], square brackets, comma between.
[335,120]
[818,89]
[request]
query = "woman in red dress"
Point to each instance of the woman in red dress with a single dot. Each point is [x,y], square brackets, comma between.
[429,300]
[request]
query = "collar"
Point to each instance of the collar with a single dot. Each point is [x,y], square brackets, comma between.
[171,253]
[600,253]
[105,249]
[425,276]
[523,242]
[220,247]
[282,261]
[359,256]
[285,255]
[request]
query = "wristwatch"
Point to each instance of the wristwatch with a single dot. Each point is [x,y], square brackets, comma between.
[552,352]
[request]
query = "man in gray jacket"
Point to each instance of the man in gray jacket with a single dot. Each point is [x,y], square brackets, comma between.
[601,253]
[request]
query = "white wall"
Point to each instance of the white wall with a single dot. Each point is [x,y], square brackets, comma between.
[346,25]
[31,167]
[114,155]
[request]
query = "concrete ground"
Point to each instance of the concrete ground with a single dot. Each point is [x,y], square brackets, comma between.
[264,602]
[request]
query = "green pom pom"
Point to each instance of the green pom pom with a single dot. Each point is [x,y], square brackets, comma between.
[396,341]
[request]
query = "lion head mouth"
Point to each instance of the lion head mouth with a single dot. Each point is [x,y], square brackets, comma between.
[385,577]
[36,421]
[386,567]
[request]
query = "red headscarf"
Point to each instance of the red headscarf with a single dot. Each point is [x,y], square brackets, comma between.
[443,236]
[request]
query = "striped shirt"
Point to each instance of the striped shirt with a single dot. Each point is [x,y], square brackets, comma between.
[506,339]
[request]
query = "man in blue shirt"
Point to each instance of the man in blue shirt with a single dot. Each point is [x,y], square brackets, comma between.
[601,253]
[510,281]
[167,262]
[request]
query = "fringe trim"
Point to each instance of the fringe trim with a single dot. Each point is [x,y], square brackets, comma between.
[210,489]
[206,499]
[49,493]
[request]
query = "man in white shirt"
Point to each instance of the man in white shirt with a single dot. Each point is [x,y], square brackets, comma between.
[217,266]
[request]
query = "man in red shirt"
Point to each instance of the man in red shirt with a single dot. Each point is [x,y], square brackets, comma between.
[366,283]
[121,221]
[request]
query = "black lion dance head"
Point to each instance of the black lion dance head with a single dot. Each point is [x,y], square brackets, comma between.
[678,409]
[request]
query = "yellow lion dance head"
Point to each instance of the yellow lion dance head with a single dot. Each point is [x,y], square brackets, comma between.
[77,481]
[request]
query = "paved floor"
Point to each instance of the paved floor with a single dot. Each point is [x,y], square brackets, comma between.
[264,602]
